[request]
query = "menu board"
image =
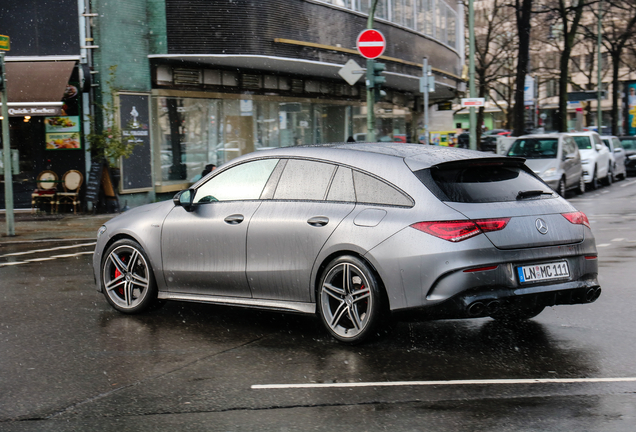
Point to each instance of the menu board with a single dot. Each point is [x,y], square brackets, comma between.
[62,132]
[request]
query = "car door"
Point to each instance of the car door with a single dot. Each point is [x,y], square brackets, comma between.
[204,250]
[287,232]
[571,162]
[619,156]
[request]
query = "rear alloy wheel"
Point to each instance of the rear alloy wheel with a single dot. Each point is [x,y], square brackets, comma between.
[127,278]
[517,314]
[349,300]
[561,187]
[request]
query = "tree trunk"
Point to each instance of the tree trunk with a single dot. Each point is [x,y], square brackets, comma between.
[615,90]
[563,89]
[524,12]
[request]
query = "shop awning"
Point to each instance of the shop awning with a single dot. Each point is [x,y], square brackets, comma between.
[38,81]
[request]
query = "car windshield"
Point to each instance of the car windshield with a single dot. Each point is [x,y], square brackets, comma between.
[535,148]
[584,142]
[629,144]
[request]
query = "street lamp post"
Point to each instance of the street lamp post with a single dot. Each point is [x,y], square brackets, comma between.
[370,90]
[599,78]
[471,75]
[6,150]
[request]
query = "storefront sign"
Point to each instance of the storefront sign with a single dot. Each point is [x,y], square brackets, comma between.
[134,118]
[34,111]
[5,45]
[62,132]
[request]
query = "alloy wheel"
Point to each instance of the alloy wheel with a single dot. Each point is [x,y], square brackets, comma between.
[347,302]
[126,277]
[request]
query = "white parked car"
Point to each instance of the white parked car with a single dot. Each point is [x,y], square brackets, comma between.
[617,155]
[595,157]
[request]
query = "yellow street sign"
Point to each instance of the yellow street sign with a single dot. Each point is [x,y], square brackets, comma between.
[4,43]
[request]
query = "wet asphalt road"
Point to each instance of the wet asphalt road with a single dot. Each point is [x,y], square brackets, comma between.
[68,362]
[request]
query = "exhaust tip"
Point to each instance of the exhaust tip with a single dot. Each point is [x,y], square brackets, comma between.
[494,306]
[476,308]
[592,294]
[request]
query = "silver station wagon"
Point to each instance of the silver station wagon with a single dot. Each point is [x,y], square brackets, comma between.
[357,234]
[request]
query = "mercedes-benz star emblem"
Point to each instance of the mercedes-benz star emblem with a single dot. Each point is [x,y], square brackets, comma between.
[542,227]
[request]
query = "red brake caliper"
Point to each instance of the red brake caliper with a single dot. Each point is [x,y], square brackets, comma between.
[120,290]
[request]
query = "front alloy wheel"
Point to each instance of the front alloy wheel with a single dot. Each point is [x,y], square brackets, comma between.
[128,282]
[349,300]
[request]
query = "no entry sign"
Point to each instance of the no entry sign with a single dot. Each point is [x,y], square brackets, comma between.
[371,43]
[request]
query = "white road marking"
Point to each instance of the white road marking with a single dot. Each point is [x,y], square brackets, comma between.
[51,258]
[628,184]
[618,239]
[445,383]
[48,250]
[602,245]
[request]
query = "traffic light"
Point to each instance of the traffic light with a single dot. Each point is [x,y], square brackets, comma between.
[1,83]
[374,74]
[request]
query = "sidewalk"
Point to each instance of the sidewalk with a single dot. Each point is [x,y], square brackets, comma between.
[38,226]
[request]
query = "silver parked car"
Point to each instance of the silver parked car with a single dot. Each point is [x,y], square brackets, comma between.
[553,157]
[617,157]
[355,233]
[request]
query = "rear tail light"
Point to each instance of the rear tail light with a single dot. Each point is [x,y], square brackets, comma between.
[577,218]
[456,231]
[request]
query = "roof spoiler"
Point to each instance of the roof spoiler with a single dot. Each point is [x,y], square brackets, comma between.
[487,161]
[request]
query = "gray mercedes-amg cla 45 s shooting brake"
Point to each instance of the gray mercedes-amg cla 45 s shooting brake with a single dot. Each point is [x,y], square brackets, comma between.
[356,233]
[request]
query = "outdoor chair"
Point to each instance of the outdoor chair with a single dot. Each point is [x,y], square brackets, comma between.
[46,190]
[71,181]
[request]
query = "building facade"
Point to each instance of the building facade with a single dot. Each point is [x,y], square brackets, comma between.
[46,81]
[198,82]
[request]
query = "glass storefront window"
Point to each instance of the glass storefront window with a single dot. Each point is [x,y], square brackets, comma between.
[193,132]
[187,132]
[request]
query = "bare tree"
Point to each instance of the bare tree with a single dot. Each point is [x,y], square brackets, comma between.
[523,14]
[495,39]
[619,34]
[564,16]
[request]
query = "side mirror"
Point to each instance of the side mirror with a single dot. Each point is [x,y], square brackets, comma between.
[617,149]
[599,147]
[184,199]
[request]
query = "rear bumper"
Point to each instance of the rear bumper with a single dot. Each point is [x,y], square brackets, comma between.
[483,302]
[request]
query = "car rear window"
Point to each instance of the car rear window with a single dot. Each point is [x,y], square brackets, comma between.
[535,148]
[629,144]
[483,181]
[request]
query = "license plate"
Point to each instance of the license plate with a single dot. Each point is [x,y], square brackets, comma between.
[542,272]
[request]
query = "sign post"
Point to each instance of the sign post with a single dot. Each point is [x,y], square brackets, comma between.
[6,144]
[371,44]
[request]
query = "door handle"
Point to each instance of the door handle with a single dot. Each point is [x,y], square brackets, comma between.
[234,219]
[318,221]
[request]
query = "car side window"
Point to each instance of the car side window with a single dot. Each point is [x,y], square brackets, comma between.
[342,186]
[374,191]
[242,182]
[304,180]
[617,143]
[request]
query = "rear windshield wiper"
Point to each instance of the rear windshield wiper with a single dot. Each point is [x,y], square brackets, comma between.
[531,193]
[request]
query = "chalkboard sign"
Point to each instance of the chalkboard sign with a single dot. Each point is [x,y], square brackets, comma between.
[100,190]
[134,117]
[94,182]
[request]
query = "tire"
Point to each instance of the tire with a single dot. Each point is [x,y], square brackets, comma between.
[581,187]
[517,315]
[561,187]
[350,301]
[610,177]
[127,278]
[594,183]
